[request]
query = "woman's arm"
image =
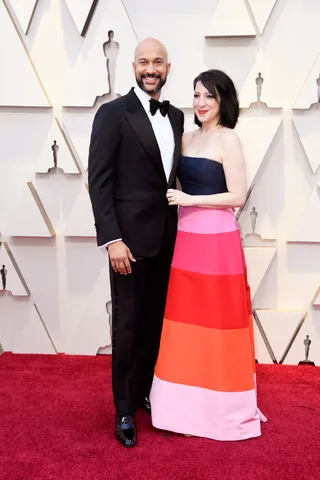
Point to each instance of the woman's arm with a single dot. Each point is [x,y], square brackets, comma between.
[235,172]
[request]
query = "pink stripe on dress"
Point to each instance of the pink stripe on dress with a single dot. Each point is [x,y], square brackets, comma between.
[207,220]
[225,416]
[213,254]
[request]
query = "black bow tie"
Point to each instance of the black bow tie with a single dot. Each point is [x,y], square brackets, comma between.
[163,107]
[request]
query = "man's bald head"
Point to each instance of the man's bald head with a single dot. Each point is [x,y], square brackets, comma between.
[151,66]
[150,45]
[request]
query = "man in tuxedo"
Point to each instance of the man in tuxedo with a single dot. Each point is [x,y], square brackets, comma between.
[133,159]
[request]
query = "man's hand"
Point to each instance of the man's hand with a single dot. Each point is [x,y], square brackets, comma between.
[120,257]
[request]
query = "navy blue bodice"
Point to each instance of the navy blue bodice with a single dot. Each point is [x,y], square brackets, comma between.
[201,176]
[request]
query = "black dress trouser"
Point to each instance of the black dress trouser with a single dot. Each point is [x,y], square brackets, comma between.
[138,304]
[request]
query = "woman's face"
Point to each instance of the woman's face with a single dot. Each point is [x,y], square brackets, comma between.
[205,106]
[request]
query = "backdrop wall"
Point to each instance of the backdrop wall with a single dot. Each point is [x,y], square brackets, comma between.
[59,62]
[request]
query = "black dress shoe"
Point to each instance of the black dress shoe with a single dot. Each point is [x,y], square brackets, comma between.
[147,405]
[126,430]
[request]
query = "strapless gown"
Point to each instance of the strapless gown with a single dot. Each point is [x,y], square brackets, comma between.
[205,383]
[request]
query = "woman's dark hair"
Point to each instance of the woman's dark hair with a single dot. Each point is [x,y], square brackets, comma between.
[220,84]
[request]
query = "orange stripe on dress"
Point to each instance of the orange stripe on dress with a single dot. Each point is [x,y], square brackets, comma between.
[219,360]
[212,301]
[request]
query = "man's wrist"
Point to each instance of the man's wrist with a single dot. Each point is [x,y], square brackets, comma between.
[106,245]
[115,242]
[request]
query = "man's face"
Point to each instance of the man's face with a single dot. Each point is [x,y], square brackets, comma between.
[151,68]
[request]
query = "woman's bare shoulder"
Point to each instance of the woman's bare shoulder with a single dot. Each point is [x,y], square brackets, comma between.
[229,137]
[190,133]
[188,136]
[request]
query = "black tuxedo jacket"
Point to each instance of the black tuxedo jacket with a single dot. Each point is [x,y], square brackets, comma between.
[127,182]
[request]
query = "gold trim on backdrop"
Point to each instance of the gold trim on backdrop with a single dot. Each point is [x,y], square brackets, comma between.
[45,327]
[294,335]
[68,145]
[129,19]
[16,266]
[306,109]
[264,336]
[90,15]
[241,209]
[315,296]
[41,208]
[31,16]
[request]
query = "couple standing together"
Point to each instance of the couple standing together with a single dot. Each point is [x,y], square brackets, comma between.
[182,340]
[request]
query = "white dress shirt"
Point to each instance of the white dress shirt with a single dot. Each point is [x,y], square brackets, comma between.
[163,132]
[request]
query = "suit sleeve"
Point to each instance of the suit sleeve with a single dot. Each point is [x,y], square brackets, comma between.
[104,144]
[182,121]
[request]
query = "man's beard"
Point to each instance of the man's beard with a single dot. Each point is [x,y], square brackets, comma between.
[156,89]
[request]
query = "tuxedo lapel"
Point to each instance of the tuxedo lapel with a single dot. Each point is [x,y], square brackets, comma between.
[142,127]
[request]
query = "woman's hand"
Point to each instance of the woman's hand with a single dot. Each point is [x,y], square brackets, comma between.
[176,197]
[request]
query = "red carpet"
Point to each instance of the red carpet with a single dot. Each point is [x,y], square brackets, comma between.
[56,423]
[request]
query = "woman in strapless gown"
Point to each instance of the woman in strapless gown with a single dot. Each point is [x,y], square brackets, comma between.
[204,383]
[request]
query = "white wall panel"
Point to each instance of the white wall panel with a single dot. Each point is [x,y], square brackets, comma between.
[30,218]
[81,221]
[262,129]
[89,77]
[78,128]
[316,298]
[80,12]
[309,96]
[56,153]
[261,10]
[231,19]
[308,128]
[22,330]
[307,227]
[58,283]
[280,328]
[24,10]
[258,261]
[19,85]
[15,283]
[297,352]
